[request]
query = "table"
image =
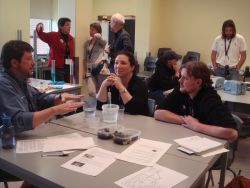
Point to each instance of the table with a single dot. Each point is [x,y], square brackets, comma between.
[46,172]
[43,86]
[151,129]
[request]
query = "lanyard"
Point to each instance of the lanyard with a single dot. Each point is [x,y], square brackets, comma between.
[227,47]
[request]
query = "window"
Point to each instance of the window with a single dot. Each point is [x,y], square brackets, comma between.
[42,47]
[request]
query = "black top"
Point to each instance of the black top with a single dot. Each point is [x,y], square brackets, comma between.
[206,106]
[121,42]
[163,79]
[138,104]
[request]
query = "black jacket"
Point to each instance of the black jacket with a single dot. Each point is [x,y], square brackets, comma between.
[138,104]
[163,78]
[206,106]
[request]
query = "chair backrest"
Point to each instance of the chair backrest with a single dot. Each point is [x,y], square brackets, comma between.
[150,63]
[162,51]
[233,146]
[191,56]
[151,107]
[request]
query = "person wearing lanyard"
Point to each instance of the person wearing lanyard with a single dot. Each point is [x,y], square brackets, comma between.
[61,45]
[228,52]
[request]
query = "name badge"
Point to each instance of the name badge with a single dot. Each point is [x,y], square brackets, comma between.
[68,61]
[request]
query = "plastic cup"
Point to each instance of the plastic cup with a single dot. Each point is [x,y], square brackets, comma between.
[89,108]
[121,112]
[110,113]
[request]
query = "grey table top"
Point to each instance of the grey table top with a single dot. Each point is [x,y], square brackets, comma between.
[46,172]
[150,128]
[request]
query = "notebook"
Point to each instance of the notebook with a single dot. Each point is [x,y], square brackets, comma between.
[198,144]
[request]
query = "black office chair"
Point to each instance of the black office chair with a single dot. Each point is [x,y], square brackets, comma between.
[162,51]
[191,56]
[232,146]
[150,63]
[6,177]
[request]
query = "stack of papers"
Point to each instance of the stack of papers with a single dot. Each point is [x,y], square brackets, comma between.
[144,152]
[198,145]
[73,141]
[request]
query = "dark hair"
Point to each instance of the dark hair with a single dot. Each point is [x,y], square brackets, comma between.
[198,70]
[62,21]
[131,59]
[14,49]
[228,23]
[97,27]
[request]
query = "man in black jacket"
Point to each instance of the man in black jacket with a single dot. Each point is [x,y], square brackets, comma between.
[196,104]
[121,40]
[165,77]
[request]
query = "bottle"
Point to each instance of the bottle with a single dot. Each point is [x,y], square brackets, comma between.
[53,71]
[7,133]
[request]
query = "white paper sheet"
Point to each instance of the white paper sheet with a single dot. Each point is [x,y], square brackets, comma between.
[198,144]
[91,162]
[29,146]
[152,177]
[218,151]
[67,142]
[144,152]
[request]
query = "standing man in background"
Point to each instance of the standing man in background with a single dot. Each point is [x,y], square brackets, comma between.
[121,41]
[61,45]
[228,51]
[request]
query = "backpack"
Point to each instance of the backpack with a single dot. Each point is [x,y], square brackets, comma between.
[239,182]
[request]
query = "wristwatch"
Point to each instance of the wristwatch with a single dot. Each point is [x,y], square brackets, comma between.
[123,91]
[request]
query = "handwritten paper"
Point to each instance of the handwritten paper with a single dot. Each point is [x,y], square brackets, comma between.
[152,177]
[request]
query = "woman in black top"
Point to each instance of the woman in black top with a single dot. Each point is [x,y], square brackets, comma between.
[126,88]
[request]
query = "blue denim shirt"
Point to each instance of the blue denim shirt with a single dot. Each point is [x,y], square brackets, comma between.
[14,102]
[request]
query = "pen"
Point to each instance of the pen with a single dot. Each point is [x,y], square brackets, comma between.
[55,155]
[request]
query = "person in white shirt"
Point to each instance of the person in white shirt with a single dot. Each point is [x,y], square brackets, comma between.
[228,52]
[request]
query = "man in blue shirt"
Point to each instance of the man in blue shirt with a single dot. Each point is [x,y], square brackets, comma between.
[27,107]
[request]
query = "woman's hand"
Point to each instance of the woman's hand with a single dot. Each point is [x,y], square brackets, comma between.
[116,81]
[39,27]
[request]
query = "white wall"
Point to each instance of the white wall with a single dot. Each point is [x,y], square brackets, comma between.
[14,15]
[67,8]
[41,9]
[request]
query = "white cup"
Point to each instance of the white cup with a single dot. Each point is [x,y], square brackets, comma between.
[110,113]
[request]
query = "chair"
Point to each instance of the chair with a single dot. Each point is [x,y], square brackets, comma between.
[150,63]
[6,177]
[151,107]
[162,51]
[191,56]
[233,146]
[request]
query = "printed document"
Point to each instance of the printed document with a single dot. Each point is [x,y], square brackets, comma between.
[29,146]
[144,152]
[152,177]
[91,162]
[67,142]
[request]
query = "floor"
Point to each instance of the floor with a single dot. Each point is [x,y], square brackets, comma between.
[242,162]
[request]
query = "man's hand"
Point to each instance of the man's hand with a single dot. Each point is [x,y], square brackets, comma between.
[65,108]
[191,123]
[67,97]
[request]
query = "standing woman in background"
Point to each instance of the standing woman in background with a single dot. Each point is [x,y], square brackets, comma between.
[61,45]
[93,56]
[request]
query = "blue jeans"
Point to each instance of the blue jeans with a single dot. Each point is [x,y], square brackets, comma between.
[233,73]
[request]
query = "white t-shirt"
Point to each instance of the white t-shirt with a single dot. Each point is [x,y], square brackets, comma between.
[238,45]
